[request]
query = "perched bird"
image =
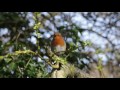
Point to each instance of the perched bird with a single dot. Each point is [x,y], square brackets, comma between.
[58,45]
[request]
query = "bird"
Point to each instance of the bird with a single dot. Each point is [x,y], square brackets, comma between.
[58,47]
[58,44]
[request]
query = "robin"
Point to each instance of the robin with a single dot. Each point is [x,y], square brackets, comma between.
[58,46]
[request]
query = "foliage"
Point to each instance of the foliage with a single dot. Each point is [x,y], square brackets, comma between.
[24,37]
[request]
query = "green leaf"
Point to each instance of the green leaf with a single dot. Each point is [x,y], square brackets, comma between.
[7,60]
[38,34]
[1,57]
[12,66]
[87,43]
[5,69]
[98,51]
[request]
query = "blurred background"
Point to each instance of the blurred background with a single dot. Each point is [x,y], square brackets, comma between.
[94,37]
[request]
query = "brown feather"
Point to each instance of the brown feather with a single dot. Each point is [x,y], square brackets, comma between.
[58,40]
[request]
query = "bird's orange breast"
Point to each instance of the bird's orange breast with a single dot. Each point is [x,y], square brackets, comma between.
[58,40]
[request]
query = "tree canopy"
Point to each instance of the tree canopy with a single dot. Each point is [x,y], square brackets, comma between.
[92,40]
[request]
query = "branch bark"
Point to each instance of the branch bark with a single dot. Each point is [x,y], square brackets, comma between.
[70,71]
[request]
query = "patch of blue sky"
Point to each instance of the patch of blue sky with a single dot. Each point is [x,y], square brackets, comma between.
[3,31]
